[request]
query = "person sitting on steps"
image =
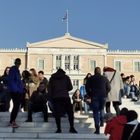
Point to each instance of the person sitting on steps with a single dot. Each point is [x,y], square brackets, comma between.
[77,101]
[38,102]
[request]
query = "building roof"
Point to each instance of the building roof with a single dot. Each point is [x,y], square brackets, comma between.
[67,41]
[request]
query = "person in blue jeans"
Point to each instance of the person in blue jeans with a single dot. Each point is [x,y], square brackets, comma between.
[98,86]
[84,94]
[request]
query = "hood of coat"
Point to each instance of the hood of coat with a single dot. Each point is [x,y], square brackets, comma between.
[108,69]
[121,119]
[59,74]
[134,122]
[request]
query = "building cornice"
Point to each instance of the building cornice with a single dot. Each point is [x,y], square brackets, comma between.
[13,50]
[123,52]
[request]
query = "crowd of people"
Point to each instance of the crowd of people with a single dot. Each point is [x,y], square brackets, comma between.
[30,91]
[131,89]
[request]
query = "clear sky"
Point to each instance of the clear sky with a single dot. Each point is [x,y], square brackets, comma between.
[116,22]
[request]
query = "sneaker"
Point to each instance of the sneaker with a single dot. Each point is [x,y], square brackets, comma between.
[72,130]
[14,125]
[96,132]
[134,100]
[58,131]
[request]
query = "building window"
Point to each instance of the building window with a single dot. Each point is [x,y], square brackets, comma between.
[58,61]
[92,65]
[67,62]
[76,62]
[137,66]
[75,84]
[41,63]
[118,65]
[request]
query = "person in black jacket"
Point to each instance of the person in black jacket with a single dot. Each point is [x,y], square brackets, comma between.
[38,102]
[4,91]
[98,87]
[59,86]
[131,129]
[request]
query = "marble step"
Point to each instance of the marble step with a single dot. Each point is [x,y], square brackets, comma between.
[44,124]
[81,128]
[41,136]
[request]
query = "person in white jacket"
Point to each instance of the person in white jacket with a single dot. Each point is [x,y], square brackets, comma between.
[117,86]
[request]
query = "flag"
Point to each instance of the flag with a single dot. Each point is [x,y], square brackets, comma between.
[65,17]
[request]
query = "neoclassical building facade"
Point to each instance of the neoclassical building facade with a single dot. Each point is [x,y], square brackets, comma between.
[76,56]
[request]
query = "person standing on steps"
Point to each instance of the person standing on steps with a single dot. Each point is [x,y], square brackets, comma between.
[115,93]
[98,86]
[15,86]
[58,88]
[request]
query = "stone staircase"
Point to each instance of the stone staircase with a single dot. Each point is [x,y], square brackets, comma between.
[38,130]
[131,105]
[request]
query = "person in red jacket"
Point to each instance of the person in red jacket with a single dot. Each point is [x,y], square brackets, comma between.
[114,127]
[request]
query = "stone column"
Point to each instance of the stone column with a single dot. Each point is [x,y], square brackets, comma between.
[79,63]
[105,60]
[71,62]
[63,62]
[54,63]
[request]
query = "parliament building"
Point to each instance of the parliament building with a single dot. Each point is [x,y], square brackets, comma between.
[76,56]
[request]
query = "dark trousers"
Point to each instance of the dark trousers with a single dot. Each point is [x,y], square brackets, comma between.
[62,106]
[98,105]
[37,108]
[4,101]
[115,105]
[16,98]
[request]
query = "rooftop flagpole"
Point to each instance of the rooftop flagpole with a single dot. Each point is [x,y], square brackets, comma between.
[67,22]
[66,18]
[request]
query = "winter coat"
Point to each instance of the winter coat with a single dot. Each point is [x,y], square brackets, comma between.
[15,84]
[128,128]
[59,85]
[4,91]
[116,86]
[98,86]
[4,82]
[115,126]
